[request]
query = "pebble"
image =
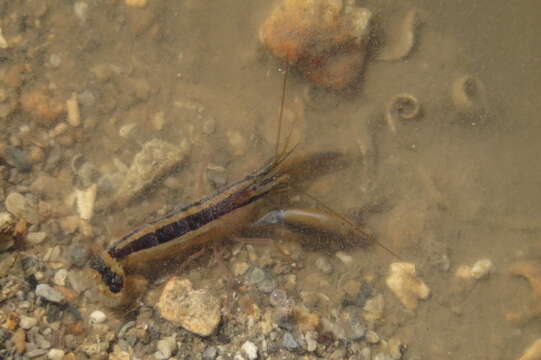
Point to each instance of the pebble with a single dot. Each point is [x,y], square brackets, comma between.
[97,317]
[36,238]
[87,98]
[256,275]
[80,280]
[55,354]
[6,221]
[195,310]
[289,342]
[167,346]
[27,322]
[324,265]
[155,159]
[267,285]
[55,60]
[126,130]
[406,285]
[311,340]
[278,298]
[482,268]
[372,337]
[345,258]
[240,268]
[250,350]
[48,293]
[365,353]
[20,206]
[16,158]
[77,254]
[373,308]
[210,353]
[238,143]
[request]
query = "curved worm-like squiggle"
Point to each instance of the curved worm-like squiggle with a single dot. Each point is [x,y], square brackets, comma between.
[468,96]
[401,107]
[405,39]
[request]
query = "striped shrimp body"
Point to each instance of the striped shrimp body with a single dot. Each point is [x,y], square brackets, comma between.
[214,217]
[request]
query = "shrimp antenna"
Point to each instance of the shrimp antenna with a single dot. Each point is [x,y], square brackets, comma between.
[280,117]
[351,223]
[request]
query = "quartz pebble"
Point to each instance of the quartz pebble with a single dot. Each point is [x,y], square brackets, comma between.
[60,277]
[479,270]
[311,340]
[405,284]
[250,350]
[240,268]
[195,310]
[97,317]
[35,238]
[55,354]
[27,322]
[48,293]
[345,258]
[167,346]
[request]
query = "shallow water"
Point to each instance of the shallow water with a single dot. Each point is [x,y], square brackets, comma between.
[441,187]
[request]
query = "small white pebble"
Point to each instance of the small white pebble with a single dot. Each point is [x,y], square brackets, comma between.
[482,268]
[49,293]
[127,129]
[55,60]
[372,337]
[345,258]
[97,317]
[240,268]
[39,275]
[35,238]
[167,346]
[60,277]
[55,354]
[250,350]
[27,322]
[479,270]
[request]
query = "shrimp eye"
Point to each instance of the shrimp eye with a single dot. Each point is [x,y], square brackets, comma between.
[113,280]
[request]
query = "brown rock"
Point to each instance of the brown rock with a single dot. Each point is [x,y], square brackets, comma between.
[325,39]
[40,105]
[306,321]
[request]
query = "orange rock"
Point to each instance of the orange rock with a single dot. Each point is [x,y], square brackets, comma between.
[39,104]
[306,321]
[326,39]
[335,72]
[19,340]
[12,321]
